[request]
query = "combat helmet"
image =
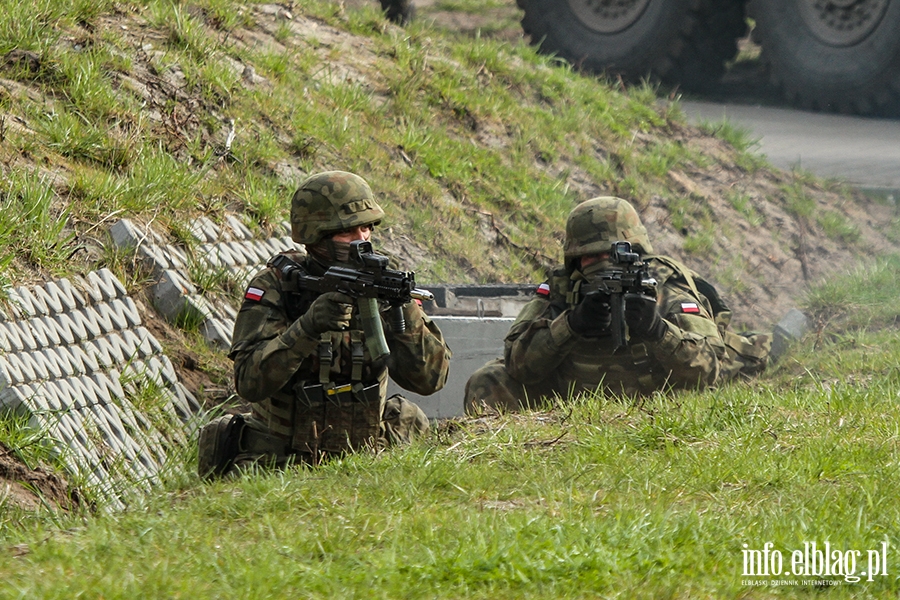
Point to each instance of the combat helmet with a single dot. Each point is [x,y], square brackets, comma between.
[330,202]
[594,224]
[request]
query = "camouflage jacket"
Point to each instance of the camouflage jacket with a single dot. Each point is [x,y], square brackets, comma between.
[273,356]
[541,347]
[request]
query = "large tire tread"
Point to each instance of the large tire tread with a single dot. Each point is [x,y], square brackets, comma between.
[694,57]
[877,96]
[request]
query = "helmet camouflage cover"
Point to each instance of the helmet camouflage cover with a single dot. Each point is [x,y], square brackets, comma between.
[594,224]
[330,202]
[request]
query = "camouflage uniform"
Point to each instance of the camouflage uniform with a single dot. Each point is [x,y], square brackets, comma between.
[320,395]
[545,357]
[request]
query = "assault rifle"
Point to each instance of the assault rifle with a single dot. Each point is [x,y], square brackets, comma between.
[370,282]
[630,275]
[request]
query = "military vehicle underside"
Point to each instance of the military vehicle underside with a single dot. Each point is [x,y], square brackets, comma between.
[834,55]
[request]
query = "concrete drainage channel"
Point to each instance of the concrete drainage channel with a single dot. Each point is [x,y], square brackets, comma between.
[76,362]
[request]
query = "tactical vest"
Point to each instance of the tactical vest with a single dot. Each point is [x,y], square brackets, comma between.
[336,397]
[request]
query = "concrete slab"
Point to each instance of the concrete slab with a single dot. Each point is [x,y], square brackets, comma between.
[473,342]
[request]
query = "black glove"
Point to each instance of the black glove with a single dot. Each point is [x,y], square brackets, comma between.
[642,318]
[592,317]
[329,312]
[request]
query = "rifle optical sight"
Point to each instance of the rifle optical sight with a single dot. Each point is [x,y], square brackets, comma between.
[621,253]
[362,254]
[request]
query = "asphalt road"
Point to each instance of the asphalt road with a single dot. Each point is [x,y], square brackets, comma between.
[860,151]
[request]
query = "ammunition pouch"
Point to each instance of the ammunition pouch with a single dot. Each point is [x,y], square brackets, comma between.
[334,418]
[219,444]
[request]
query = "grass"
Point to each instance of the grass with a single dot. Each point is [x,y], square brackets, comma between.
[30,224]
[744,205]
[749,158]
[26,441]
[590,497]
[837,227]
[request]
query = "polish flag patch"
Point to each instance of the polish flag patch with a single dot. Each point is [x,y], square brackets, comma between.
[254,294]
[543,290]
[690,307]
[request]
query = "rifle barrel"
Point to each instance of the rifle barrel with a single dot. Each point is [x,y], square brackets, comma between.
[423,295]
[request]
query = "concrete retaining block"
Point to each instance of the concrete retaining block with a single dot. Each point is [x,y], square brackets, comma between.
[230,247]
[63,349]
[473,342]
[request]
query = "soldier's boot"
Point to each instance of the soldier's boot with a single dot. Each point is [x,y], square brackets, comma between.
[218,446]
[746,355]
[792,326]
[399,11]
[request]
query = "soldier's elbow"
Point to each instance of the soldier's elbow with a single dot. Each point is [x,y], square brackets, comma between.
[248,387]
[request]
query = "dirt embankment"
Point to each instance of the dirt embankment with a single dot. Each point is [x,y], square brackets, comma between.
[30,489]
[761,235]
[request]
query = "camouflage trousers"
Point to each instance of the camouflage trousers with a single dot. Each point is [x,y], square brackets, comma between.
[491,386]
[239,441]
[746,355]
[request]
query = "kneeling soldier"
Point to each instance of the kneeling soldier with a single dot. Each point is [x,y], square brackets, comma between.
[301,357]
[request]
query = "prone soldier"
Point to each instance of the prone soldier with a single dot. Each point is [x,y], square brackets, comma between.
[570,336]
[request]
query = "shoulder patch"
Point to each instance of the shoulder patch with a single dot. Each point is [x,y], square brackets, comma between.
[543,289]
[254,293]
[690,308]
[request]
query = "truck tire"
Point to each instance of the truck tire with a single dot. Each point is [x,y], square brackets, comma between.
[833,55]
[682,42]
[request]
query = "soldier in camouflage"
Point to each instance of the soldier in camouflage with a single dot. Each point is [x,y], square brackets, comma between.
[301,360]
[561,342]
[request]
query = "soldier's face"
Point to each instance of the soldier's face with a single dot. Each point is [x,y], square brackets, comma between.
[360,232]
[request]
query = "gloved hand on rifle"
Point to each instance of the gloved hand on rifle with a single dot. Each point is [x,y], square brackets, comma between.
[592,317]
[329,312]
[643,318]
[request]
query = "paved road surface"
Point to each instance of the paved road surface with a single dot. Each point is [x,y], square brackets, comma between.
[863,152]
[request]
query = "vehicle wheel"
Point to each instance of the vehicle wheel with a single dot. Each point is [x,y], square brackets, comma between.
[833,55]
[678,41]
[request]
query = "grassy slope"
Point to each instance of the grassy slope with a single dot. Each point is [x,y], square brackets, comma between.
[458,136]
[477,147]
[488,143]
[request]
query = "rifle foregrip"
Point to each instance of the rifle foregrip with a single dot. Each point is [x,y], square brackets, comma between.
[617,308]
[371,322]
[398,321]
